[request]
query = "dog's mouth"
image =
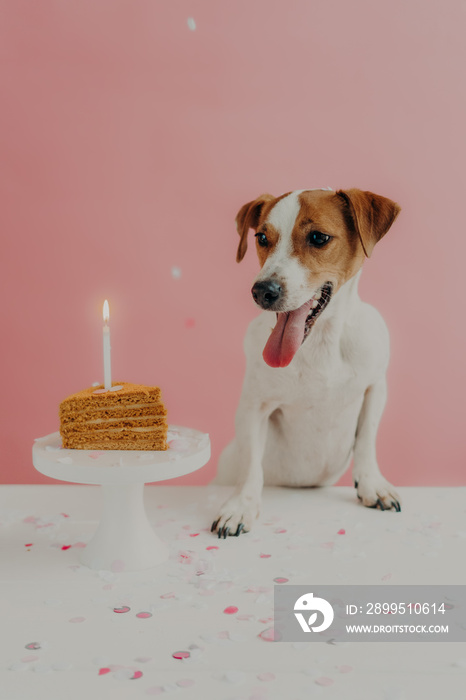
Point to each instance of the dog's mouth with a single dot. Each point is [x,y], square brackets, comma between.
[293,327]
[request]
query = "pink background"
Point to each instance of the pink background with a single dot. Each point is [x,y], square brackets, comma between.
[130,138]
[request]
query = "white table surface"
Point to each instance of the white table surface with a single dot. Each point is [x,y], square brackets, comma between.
[46,596]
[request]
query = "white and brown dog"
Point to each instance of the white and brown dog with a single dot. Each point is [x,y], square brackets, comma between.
[315,385]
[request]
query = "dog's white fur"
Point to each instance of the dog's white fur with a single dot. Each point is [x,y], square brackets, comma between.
[302,424]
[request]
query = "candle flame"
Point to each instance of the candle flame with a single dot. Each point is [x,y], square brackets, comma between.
[106,312]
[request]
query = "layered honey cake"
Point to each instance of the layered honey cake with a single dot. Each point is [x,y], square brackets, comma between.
[125,417]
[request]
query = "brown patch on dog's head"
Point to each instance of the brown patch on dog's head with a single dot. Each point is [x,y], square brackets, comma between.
[251,215]
[371,215]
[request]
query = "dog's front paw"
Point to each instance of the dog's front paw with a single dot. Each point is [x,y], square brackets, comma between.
[236,516]
[377,492]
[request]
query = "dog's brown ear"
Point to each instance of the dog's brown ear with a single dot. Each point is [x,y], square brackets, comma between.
[248,217]
[372,215]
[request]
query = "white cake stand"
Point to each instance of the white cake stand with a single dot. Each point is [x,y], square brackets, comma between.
[124,540]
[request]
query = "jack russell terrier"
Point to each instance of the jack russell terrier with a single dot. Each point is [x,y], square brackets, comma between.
[315,387]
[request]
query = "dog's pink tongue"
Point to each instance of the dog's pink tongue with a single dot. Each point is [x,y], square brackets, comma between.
[286,337]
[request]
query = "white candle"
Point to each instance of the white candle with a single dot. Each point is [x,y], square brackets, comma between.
[106,336]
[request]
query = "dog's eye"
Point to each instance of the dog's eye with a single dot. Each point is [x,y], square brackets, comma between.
[318,239]
[262,239]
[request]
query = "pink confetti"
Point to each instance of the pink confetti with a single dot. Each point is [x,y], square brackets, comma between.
[345,669]
[223,635]
[65,515]
[266,620]
[95,455]
[80,545]
[265,556]
[194,534]
[136,674]
[185,558]
[270,635]
[168,595]
[211,548]
[341,532]
[323,680]
[33,645]
[117,566]
[144,615]
[29,545]
[76,619]
[279,531]
[66,546]
[231,610]
[181,654]
[185,682]
[29,659]
[386,577]
[328,545]
[123,609]
[155,690]
[266,677]
[30,519]
[280,579]
[103,671]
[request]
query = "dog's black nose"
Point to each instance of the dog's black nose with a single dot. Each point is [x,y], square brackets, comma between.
[266,293]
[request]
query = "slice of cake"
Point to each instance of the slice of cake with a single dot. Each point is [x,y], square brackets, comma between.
[125,417]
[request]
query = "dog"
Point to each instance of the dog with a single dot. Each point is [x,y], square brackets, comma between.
[315,386]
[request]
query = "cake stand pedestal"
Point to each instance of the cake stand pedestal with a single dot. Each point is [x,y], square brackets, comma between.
[124,540]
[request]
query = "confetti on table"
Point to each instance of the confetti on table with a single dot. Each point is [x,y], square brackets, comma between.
[136,675]
[386,577]
[181,654]
[280,531]
[265,556]
[117,566]
[265,677]
[185,682]
[270,635]
[209,549]
[29,545]
[104,671]
[66,546]
[279,579]
[122,609]
[345,669]
[33,645]
[341,532]
[323,680]
[231,610]
[143,615]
